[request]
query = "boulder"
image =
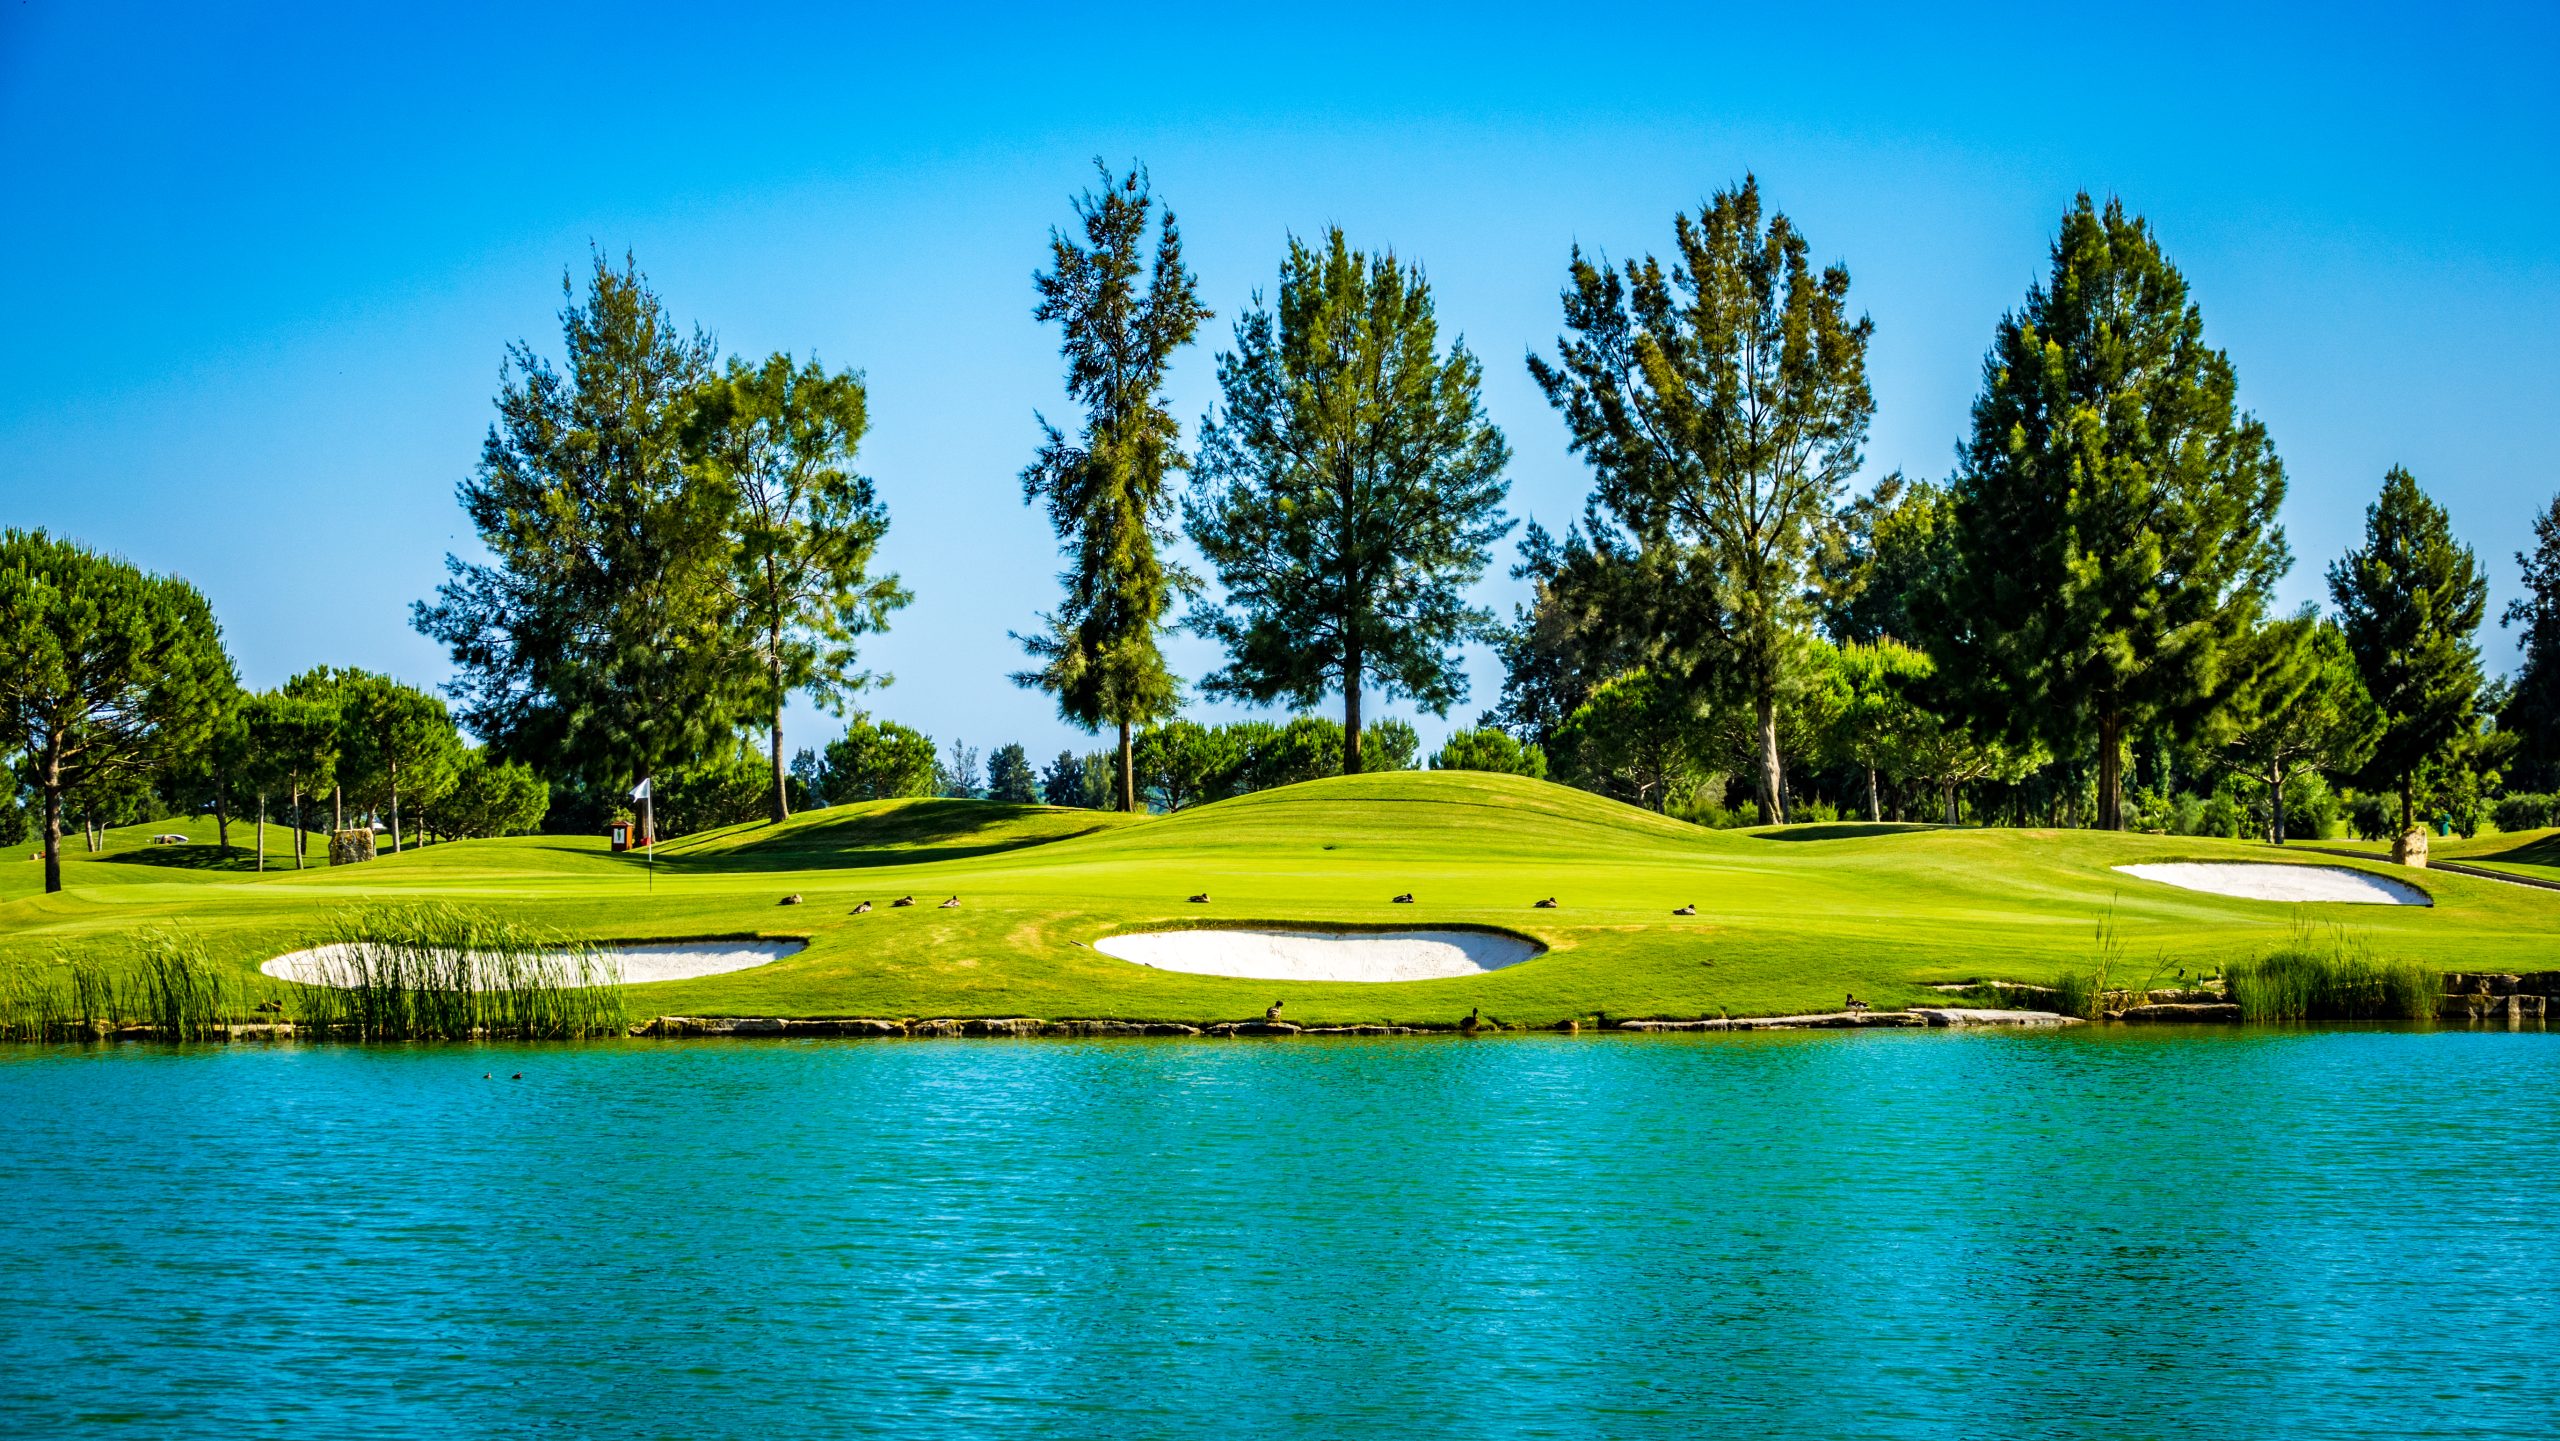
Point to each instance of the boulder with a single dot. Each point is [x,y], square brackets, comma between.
[1003,1026]
[351,847]
[1257,1028]
[2411,848]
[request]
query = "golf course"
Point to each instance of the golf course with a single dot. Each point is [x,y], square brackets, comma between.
[1787,919]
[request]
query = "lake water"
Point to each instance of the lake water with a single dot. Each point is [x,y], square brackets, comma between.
[2241,1233]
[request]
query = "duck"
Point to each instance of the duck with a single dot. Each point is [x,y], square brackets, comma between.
[1854,1003]
[952,904]
[1404,900]
[1201,899]
[902,901]
[1273,1013]
[791,900]
[1688,910]
[862,910]
[1548,904]
[1475,1019]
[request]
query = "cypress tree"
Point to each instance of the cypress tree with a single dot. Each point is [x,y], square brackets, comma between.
[2114,529]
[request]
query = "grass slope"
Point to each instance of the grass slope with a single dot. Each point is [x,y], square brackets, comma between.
[1789,919]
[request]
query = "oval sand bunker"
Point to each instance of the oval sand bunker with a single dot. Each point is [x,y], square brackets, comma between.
[636,964]
[1323,955]
[2270,881]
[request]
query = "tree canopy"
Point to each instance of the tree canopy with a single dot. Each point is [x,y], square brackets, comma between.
[2410,601]
[1349,490]
[2114,511]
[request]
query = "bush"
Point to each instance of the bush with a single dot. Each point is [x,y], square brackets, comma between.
[2374,818]
[878,761]
[1486,748]
[727,791]
[2332,978]
[2526,812]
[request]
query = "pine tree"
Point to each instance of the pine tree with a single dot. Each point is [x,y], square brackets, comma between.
[2410,602]
[2114,524]
[1106,491]
[2303,707]
[1720,403]
[1350,490]
[2532,712]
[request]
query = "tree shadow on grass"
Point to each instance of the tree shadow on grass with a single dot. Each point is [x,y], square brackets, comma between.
[2540,850]
[1843,830]
[908,835]
[197,856]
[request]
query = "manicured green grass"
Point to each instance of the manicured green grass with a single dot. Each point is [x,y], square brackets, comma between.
[2526,853]
[1788,920]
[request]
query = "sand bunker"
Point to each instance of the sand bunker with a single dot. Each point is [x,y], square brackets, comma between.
[636,964]
[2270,881]
[1323,955]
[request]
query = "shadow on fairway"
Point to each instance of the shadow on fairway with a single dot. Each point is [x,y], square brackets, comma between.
[2539,849]
[946,831]
[196,857]
[1843,830]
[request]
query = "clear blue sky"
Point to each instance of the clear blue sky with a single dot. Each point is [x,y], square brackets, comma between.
[258,264]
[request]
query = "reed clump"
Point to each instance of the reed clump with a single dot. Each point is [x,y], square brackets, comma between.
[2328,975]
[168,985]
[438,972]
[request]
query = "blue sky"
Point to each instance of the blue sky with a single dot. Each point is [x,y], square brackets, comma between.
[258,264]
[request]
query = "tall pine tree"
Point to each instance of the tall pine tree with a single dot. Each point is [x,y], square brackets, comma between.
[2532,713]
[2114,528]
[1350,489]
[1720,402]
[1106,490]
[2410,601]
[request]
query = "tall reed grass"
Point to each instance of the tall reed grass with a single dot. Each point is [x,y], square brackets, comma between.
[436,972]
[168,984]
[2327,975]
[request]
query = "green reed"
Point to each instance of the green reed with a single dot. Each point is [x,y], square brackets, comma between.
[2327,975]
[437,972]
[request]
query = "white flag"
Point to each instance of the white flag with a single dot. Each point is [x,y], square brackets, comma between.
[640,792]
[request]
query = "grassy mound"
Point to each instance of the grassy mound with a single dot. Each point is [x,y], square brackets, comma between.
[1788,919]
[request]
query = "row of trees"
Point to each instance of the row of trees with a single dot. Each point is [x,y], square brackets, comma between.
[118,700]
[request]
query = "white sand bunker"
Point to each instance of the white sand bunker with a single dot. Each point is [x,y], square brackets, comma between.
[2270,881]
[1323,955]
[635,964]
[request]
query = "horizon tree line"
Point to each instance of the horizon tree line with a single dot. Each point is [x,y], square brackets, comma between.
[679,543]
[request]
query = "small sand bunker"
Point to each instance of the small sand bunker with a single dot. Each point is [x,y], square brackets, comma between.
[2271,881]
[1323,955]
[636,964]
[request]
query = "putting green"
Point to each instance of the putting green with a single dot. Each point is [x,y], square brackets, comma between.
[1788,920]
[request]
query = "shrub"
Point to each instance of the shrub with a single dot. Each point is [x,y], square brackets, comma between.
[877,761]
[1487,748]
[2526,812]
[2332,977]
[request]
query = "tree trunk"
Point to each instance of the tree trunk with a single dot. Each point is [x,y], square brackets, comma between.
[297,825]
[781,786]
[1128,777]
[1773,776]
[2408,804]
[337,809]
[1351,666]
[222,815]
[1875,805]
[2277,790]
[1949,788]
[2110,772]
[262,832]
[52,824]
[395,808]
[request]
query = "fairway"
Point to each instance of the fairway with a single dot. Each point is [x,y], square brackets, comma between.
[1788,920]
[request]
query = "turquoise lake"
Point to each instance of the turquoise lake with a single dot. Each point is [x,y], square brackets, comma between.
[2247,1233]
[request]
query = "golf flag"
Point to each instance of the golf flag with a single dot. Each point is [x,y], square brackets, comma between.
[640,792]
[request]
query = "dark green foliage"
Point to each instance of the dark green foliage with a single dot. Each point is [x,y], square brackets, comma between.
[1486,748]
[780,438]
[1062,781]
[2114,513]
[1107,491]
[808,772]
[2410,602]
[2526,811]
[1350,490]
[292,755]
[488,798]
[1181,763]
[1599,607]
[1010,778]
[107,674]
[1720,402]
[2532,711]
[396,745]
[595,641]
[728,789]
[2300,705]
[1640,738]
[877,761]
[1879,551]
